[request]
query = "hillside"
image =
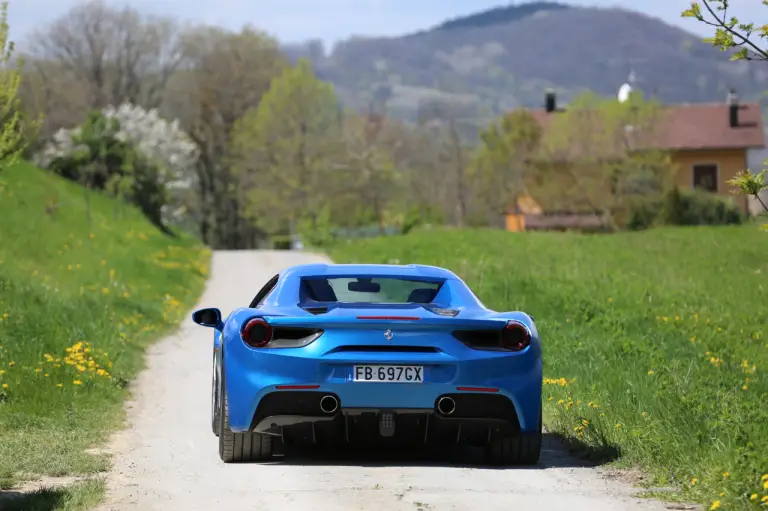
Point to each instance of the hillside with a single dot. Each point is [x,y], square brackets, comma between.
[656,361]
[78,303]
[495,60]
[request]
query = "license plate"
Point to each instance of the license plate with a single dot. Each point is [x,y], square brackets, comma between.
[388,373]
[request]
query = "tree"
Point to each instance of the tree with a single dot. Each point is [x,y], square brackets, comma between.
[370,166]
[750,42]
[452,154]
[12,132]
[600,152]
[747,39]
[287,150]
[507,150]
[224,75]
[119,54]
[130,152]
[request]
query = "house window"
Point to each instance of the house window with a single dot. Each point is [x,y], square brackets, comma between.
[705,177]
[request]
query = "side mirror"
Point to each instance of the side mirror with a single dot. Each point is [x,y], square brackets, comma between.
[207,317]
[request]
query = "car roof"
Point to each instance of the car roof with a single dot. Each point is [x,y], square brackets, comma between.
[380,270]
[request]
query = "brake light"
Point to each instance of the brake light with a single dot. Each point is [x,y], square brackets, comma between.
[515,336]
[256,333]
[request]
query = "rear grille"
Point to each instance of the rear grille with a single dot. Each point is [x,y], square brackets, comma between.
[385,348]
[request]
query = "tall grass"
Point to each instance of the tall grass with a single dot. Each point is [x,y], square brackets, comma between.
[655,343]
[79,300]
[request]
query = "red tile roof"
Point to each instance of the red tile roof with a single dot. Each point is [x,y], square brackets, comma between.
[699,126]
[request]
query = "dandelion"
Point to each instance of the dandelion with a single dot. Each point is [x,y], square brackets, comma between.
[618,426]
[59,385]
[644,414]
[651,372]
[753,497]
[5,385]
[694,481]
[77,382]
[2,372]
[726,474]
[11,363]
[715,505]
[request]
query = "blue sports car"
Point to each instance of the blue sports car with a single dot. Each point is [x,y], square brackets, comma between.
[344,353]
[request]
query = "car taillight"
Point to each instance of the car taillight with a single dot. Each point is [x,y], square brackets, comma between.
[256,333]
[515,336]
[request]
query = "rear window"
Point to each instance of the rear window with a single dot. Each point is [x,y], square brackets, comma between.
[370,290]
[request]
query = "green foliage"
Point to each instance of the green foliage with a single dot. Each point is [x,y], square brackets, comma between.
[283,148]
[104,161]
[318,230]
[659,338]
[78,304]
[751,184]
[599,154]
[12,132]
[696,207]
[744,39]
[682,207]
[506,151]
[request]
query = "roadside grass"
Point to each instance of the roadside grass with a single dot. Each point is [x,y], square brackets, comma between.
[79,301]
[655,343]
[79,496]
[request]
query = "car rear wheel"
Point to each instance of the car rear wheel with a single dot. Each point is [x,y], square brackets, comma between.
[519,449]
[239,447]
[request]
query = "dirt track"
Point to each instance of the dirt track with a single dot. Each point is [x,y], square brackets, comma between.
[168,459]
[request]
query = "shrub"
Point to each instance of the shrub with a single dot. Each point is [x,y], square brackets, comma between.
[683,207]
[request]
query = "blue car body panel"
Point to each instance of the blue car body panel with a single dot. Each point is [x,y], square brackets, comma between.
[449,365]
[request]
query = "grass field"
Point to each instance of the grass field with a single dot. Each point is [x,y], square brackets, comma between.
[79,301]
[655,343]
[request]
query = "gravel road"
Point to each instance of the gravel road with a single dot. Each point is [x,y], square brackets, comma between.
[168,460]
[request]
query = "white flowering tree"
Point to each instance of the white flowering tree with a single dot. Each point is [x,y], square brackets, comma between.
[132,153]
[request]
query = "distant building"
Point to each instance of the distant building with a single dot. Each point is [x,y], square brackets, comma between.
[709,143]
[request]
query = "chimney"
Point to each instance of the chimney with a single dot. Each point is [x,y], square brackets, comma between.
[550,101]
[733,108]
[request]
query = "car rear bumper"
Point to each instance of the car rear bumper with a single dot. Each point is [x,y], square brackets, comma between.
[500,390]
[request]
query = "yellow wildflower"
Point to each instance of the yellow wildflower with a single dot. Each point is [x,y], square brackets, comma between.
[77,382]
[715,505]
[5,385]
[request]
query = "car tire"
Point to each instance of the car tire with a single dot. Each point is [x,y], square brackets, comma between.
[519,449]
[215,400]
[240,447]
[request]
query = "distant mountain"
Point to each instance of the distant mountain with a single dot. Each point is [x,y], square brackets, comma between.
[492,61]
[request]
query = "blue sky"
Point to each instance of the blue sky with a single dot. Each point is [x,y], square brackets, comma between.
[331,20]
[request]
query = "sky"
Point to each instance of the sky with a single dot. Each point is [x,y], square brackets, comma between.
[334,20]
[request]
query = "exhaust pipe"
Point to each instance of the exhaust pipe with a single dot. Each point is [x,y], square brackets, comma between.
[329,404]
[446,405]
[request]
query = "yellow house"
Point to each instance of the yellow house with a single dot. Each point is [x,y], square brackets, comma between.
[707,142]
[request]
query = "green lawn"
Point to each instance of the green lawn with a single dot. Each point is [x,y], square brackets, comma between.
[79,301]
[655,343]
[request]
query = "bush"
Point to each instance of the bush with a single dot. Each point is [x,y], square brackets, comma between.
[683,207]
